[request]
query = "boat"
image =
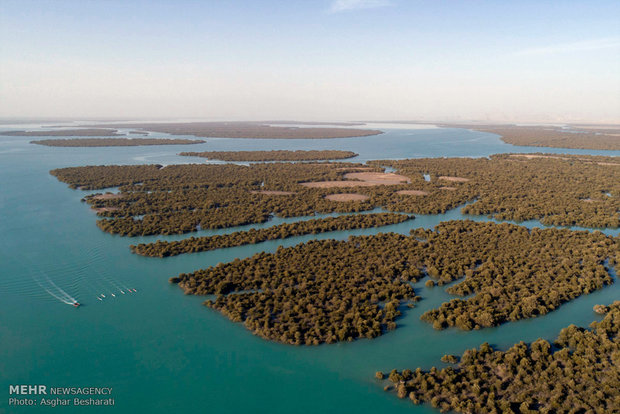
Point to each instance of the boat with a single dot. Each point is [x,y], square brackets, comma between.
[76,304]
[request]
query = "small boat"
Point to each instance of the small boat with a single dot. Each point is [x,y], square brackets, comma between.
[76,304]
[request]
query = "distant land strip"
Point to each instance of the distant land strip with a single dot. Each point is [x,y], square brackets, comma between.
[281,231]
[272,122]
[279,155]
[114,142]
[249,130]
[86,132]
[551,136]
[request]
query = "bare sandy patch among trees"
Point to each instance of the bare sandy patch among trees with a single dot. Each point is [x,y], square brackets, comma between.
[361,179]
[454,179]
[107,196]
[346,197]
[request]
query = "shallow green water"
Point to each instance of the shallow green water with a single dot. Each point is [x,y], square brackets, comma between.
[162,351]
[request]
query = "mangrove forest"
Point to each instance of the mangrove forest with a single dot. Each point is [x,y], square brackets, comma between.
[239,238]
[327,291]
[557,190]
[578,373]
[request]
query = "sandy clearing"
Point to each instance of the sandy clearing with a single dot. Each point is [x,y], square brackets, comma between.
[378,178]
[448,188]
[107,196]
[366,179]
[607,163]
[104,209]
[356,169]
[412,192]
[336,184]
[454,179]
[346,197]
[531,156]
[273,192]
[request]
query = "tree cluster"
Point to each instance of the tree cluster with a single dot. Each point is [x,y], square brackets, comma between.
[318,292]
[510,272]
[281,231]
[565,190]
[182,198]
[579,373]
[557,190]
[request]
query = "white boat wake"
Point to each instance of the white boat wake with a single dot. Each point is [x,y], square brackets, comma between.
[57,292]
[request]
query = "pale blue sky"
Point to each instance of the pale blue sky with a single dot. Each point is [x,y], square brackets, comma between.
[346,59]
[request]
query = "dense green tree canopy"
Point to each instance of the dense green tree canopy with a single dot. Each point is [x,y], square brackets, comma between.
[281,231]
[579,373]
[303,294]
[562,190]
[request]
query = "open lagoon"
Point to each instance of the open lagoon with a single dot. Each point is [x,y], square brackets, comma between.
[162,351]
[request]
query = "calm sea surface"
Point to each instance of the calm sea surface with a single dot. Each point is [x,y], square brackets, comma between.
[162,351]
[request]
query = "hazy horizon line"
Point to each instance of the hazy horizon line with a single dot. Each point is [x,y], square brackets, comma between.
[472,121]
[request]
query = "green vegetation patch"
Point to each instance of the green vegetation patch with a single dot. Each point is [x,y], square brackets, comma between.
[327,291]
[277,155]
[579,373]
[321,291]
[281,231]
[179,198]
[511,272]
[557,190]
[113,142]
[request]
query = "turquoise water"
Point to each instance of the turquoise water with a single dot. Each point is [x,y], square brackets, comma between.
[162,351]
